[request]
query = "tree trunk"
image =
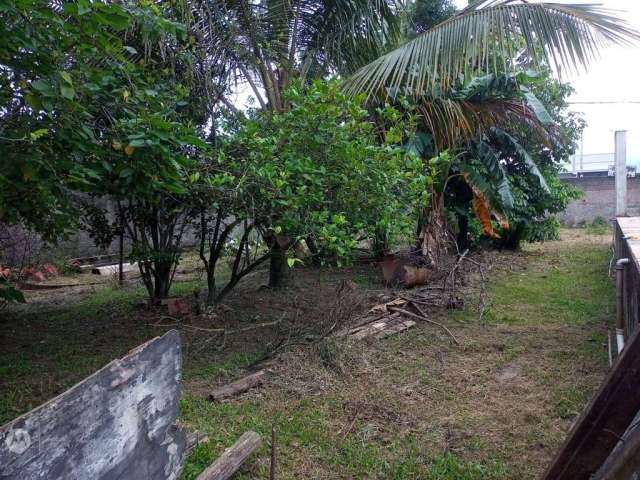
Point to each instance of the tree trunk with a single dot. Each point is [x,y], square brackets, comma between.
[432,231]
[463,233]
[211,287]
[162,281]
[313,249]
[277,265]
[380,244]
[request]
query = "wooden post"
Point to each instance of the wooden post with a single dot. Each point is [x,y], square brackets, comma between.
[233,457]
[272,469]
[621,173]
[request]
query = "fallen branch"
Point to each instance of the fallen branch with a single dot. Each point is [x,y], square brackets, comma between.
[216,330]
[453,270]
[232,458]
[425,319]
[237,387]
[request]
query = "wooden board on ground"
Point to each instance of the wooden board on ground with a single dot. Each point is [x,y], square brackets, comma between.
[113,269]
[239,386]
[119,423]
[382,328]
[232,458]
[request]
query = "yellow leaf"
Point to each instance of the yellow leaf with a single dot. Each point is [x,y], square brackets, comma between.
[481,209]
[116,145]
[129,150]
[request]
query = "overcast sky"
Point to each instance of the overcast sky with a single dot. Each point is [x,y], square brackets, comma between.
[615,77]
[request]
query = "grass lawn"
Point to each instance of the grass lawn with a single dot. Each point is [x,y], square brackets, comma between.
[409,406]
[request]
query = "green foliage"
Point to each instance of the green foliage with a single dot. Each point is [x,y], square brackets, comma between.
[532,217]
[323,170]
[514,164]
[437,58]
[9,294]
[425,14]
[90,102]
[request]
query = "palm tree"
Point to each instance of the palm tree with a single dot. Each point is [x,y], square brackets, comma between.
[442,69]
[492,37]
[269,43]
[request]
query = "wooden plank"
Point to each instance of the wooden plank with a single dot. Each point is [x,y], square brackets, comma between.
[233,457]
[113,269]
[235,388]
[604,422]
[119,423]
[383,328]
[624,462]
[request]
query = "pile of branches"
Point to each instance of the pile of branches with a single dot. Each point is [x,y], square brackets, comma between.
[404,308]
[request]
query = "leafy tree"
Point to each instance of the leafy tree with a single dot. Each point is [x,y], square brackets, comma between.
[98,97]
[226,220]
[319,172]
[45,127]
[271,45]
[425,14]
[532,216]
[268,45]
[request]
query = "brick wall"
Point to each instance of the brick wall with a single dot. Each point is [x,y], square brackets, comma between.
[599,199]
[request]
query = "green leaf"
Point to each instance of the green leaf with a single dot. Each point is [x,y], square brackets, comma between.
[84,7]
[138,142]
[41,132]
[524,156]
[42,86]
[67,92]
[66,77]
[538,108]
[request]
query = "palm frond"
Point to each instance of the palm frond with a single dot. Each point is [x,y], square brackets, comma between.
[484,39]
[455,122]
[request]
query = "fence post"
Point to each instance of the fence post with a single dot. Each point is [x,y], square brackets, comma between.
[621,173]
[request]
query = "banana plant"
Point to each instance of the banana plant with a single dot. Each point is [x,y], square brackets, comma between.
[489,105]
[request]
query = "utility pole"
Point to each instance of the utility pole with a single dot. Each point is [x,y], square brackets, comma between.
[621,173]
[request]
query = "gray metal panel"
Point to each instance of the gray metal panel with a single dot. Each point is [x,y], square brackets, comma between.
[119,423]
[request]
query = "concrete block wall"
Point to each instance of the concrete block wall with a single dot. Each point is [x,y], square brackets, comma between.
[599,199]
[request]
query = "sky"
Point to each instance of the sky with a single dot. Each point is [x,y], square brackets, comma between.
[612,78]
